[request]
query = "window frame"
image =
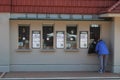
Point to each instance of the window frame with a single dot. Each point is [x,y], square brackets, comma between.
[76,36]
[43,35]
[28,37]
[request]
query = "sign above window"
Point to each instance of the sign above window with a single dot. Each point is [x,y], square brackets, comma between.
[55,16]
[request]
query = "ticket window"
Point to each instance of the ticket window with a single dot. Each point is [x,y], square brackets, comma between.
[23,39]
[48,37]
[94,33]
[71,37]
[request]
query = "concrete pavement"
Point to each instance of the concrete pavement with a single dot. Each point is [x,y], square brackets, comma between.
[59,75]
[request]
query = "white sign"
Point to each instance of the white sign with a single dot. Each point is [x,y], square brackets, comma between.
[83,39]
[60,39]
[36,39]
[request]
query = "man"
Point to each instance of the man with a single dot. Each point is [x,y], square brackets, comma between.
[103,52]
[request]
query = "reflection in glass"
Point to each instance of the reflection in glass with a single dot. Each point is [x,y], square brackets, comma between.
[48,37]
[71,42]
[23,41]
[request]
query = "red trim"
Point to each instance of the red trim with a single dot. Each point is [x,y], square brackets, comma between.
[56,6]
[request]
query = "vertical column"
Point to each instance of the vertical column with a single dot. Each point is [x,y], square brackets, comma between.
[4,42]
[116,44]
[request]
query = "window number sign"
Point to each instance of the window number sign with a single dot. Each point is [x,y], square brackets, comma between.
[83,39]
[35,39]
[60,39]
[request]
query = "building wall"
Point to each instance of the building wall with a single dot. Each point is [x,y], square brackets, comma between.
[58,60]
[116,65]
[4,42]
[112,45]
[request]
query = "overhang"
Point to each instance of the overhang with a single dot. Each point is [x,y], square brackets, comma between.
[110,15]
[113,11]
[56,6]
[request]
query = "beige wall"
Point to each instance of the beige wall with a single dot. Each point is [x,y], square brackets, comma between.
[4,42]
[116,44]
[59,60]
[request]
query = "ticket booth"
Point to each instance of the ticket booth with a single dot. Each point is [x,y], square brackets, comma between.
[57,44]
[41,35]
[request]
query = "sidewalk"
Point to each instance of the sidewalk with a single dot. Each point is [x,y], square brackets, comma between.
[69,75]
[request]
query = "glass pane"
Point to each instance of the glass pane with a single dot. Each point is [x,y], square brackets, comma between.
[15,16]
[77,16]
[86,17]
[71,42]
[23,37]
[65,16]
[42,16]
[94,31]
[54,16]
[32,16]
[48,37]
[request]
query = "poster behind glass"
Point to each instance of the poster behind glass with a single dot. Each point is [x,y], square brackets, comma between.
[35,39]
[60,39]
[83,39]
